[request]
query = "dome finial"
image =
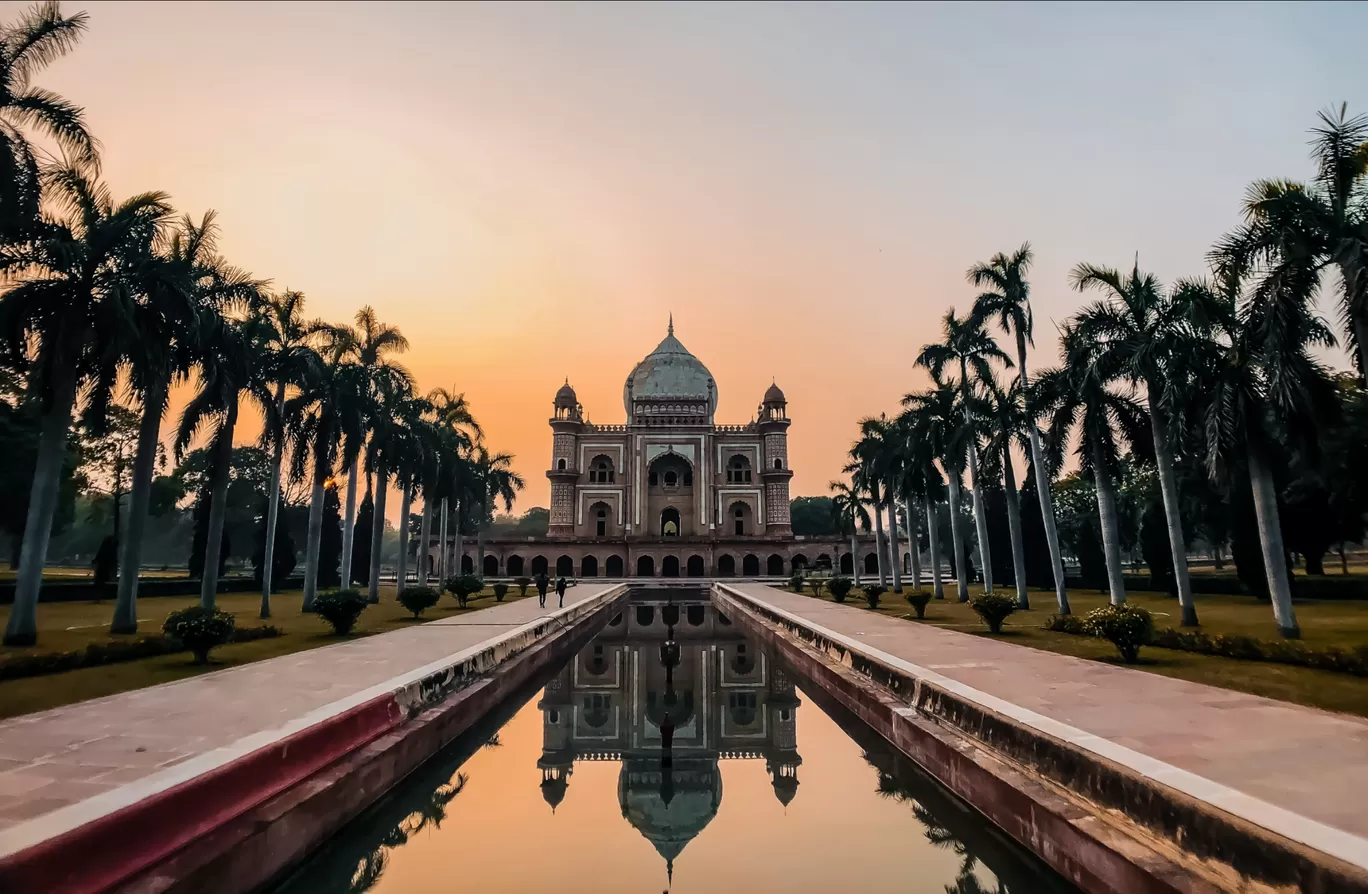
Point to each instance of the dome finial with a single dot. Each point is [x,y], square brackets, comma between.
[671,330]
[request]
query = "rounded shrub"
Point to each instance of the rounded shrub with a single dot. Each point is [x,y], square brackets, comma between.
[993,608]
[200,629]
[816,584]
[418,599]
[500,591]
[840,587]
[1128,627]
[463,587]
[341,608]
[872,592]
[523,583]
[918,600]
[796,582]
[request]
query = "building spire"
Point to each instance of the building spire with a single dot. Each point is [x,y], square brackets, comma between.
[671,332]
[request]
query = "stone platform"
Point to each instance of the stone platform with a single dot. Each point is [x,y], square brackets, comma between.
[202,750]
[1299,773]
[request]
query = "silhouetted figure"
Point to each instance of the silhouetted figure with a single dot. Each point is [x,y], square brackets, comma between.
[560,590]
[542,583]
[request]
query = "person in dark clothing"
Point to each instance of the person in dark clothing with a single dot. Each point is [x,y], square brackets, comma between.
[560,590]
[542,583]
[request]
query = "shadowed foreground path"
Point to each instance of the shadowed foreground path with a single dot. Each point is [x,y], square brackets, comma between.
[70,765]
[1299,771]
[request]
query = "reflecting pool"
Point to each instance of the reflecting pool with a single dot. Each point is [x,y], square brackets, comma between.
[670,754]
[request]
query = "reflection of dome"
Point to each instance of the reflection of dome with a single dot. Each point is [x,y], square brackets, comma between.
[553,790]
[669,371]
[565,397]
[670,825]
[785,787]
[773,395]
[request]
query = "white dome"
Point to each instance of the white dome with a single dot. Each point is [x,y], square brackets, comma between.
[669,371]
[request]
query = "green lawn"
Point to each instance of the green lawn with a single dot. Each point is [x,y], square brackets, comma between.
[66,626]
[1341,623]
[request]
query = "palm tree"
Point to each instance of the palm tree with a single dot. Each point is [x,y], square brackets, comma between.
[409,453]
[498,482]
[1082,395]
[922,486]
[182,285]
[941,426]
[373,342]
[1003,411]
[1141,330]
[233,363]
[391,390]
[1263,388]
[1295,230]
[456,431]
[877,453]
[328,410]
[968,346]
[1008,299]
[75,291]
[40,35]
[847,507]
[288,355]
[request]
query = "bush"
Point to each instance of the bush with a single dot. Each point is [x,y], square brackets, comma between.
[500,591]
[796,582]
[200,629]
[816,584]
[341,608]
[96,654]
[523,583]
[1066,624]
[840,587]
[1127,627]
[417,599]
[463,587]
[1347,661]
[994,608]
[872,592]
[918,600]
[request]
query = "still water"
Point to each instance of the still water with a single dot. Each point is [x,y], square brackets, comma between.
[671,755]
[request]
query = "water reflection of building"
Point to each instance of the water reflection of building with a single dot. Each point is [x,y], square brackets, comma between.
[668,715]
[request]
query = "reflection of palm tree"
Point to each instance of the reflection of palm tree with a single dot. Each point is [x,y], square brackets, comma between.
[434,811]
[368,871]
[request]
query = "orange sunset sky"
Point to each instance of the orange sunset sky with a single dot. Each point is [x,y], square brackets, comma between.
[529,190]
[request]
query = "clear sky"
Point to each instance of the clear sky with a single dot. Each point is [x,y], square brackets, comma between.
[528,190]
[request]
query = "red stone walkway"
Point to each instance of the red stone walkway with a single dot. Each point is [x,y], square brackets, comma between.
[71,765]
[1299,771]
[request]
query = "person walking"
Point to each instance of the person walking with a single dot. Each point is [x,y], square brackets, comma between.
[542,583]
[560,590]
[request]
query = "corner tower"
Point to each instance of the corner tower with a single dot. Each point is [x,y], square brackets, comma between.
[567,422]
[772,423]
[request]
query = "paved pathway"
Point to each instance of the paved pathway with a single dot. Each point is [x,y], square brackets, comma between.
[57,758]
[1307,761]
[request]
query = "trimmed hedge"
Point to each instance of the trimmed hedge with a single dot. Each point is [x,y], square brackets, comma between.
[1338,587]
[1244,648]
[148,588]
[112,652]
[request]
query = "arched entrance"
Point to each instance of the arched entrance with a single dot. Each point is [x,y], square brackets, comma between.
[775,566]
[539,565]
[669,566]
[565,567]
[589,567]
[515,566]
[871,563]
[695,566]
[491,566]
[669,522]
[750,566]
[467,564]
[799,563]
[847,564]
[726,566]
[645,567]
[614,566]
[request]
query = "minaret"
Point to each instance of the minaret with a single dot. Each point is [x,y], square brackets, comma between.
[773,424]
[567,421]
[557,761]
[781,758]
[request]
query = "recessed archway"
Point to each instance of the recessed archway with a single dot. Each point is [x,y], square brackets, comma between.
[614,566]
[695,568]
[669,566]
[847,564]
[775,566]
[515,566]
[491,566]
[871,563]
[565,567]
[589,567]
[726,566]
[539,565]
[669,522]
[645,566]
[799,562]
[467,564]
[750,566]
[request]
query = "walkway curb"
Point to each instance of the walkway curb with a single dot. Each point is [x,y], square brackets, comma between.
[98,844]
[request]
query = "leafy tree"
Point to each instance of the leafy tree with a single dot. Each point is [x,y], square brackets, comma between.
[361,551]
[200,540]
[283,557]
[812,516]
[20,430]
[329,556]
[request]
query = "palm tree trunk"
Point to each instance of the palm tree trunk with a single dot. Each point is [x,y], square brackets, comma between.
[894,550]
[854,556]
[1014,526]
[980,520]
[349,526]
[314,539]
[443,551]
[933,541]
[1168,486]
[914,547]
[479,541]
[272,509]
[218,508]
[405,507]
[879,544]
[458,546]
[423,555]
[1270,538]
[1042,478]
[377,530]
[1111,534]
[957,538]
[22,629]
[139,496]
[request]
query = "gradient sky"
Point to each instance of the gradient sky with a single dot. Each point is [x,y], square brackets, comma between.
[528,190]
